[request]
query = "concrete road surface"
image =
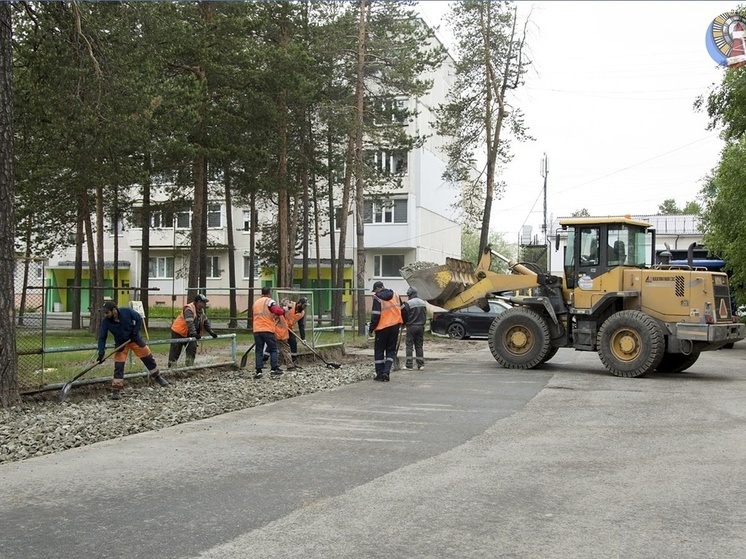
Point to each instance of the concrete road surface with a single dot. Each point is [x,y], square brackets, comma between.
[464,459]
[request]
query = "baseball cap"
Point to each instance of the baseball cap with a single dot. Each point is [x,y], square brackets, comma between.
[377,285]
[201,298]
[109,305]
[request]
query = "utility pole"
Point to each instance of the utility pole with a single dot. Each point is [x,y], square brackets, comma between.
[545,227]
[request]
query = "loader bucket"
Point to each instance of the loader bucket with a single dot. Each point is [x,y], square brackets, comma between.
[438,284]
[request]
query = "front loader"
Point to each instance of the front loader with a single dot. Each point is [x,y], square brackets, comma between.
[613,299]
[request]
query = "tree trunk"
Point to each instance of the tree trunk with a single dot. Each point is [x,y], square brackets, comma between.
[200,201]
[8,359]
[233,309]
[359,183]
[26,262]
[145,252]
[78,273]
[197,256]
[93,308]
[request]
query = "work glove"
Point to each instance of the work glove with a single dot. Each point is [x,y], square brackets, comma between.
[213,334]
[100,356]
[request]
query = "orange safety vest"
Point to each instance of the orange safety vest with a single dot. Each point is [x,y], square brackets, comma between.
[390,313]
[180,325]
[282,332]
[292,317]
[263,319]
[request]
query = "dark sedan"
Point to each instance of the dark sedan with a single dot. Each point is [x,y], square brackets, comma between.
[465,323]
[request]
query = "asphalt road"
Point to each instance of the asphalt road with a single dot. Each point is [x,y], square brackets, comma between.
[463,460]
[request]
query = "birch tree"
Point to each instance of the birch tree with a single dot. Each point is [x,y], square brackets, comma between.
[478,116]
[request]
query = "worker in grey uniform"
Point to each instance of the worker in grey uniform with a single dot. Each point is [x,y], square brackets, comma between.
[416,316]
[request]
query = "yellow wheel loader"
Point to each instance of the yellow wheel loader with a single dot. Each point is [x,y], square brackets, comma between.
[613,298]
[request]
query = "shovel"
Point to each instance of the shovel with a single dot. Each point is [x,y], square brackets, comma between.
[329,365]
[245,356]
[65,390]
[396,365]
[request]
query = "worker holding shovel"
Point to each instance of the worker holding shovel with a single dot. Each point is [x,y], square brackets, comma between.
[124,324]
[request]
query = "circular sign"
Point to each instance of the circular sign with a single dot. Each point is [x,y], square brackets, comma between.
[725,39]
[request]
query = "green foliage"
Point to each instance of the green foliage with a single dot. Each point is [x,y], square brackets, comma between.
[669,207]
[724,192]
[582,212]
[470,249]
[724,218]
[692,208]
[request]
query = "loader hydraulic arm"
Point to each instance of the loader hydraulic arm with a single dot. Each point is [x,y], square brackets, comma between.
[457,284]
[492,283]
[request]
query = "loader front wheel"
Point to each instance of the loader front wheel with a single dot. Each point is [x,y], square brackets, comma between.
[551,353]
[631,344]
[519,338]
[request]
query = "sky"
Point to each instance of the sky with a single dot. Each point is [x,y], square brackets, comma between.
[609,98]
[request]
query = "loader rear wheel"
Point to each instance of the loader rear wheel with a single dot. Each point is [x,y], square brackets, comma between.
[631,344]
[519,338]
[676,362]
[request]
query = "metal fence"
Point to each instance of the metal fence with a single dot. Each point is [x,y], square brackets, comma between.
[50,352]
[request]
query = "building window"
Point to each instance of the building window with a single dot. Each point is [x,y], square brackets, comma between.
[387,265]
[247,220]
[158,220]
[118,227]
[385,211]
[246,270]
[389,110]
[390,162]
[214,220]
[184,220]
[161,267]
[213,267]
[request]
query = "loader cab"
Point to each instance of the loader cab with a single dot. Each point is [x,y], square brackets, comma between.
[596,245]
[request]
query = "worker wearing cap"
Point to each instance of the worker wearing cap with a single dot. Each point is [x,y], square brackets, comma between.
[125,324]
[296,314]
[263,326]
[385,321]
[192,322]
[415,309]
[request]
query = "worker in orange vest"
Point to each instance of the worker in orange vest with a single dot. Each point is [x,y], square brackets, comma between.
[263,325]
[296,314]
[282,335]
[385,321]
[192,322]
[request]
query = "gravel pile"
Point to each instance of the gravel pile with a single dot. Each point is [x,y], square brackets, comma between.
[45,425]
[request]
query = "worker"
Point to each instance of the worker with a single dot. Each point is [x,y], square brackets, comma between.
[296,315]
[282,336]
[263,325]
[385,321]
[124,324]
[192,322]
[415,310]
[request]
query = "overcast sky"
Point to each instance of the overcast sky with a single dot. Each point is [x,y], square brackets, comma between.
[609,99]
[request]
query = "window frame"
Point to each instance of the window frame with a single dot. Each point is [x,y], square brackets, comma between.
[378,265]
[161,269]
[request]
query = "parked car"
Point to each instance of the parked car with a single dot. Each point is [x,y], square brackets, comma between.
[467,322]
